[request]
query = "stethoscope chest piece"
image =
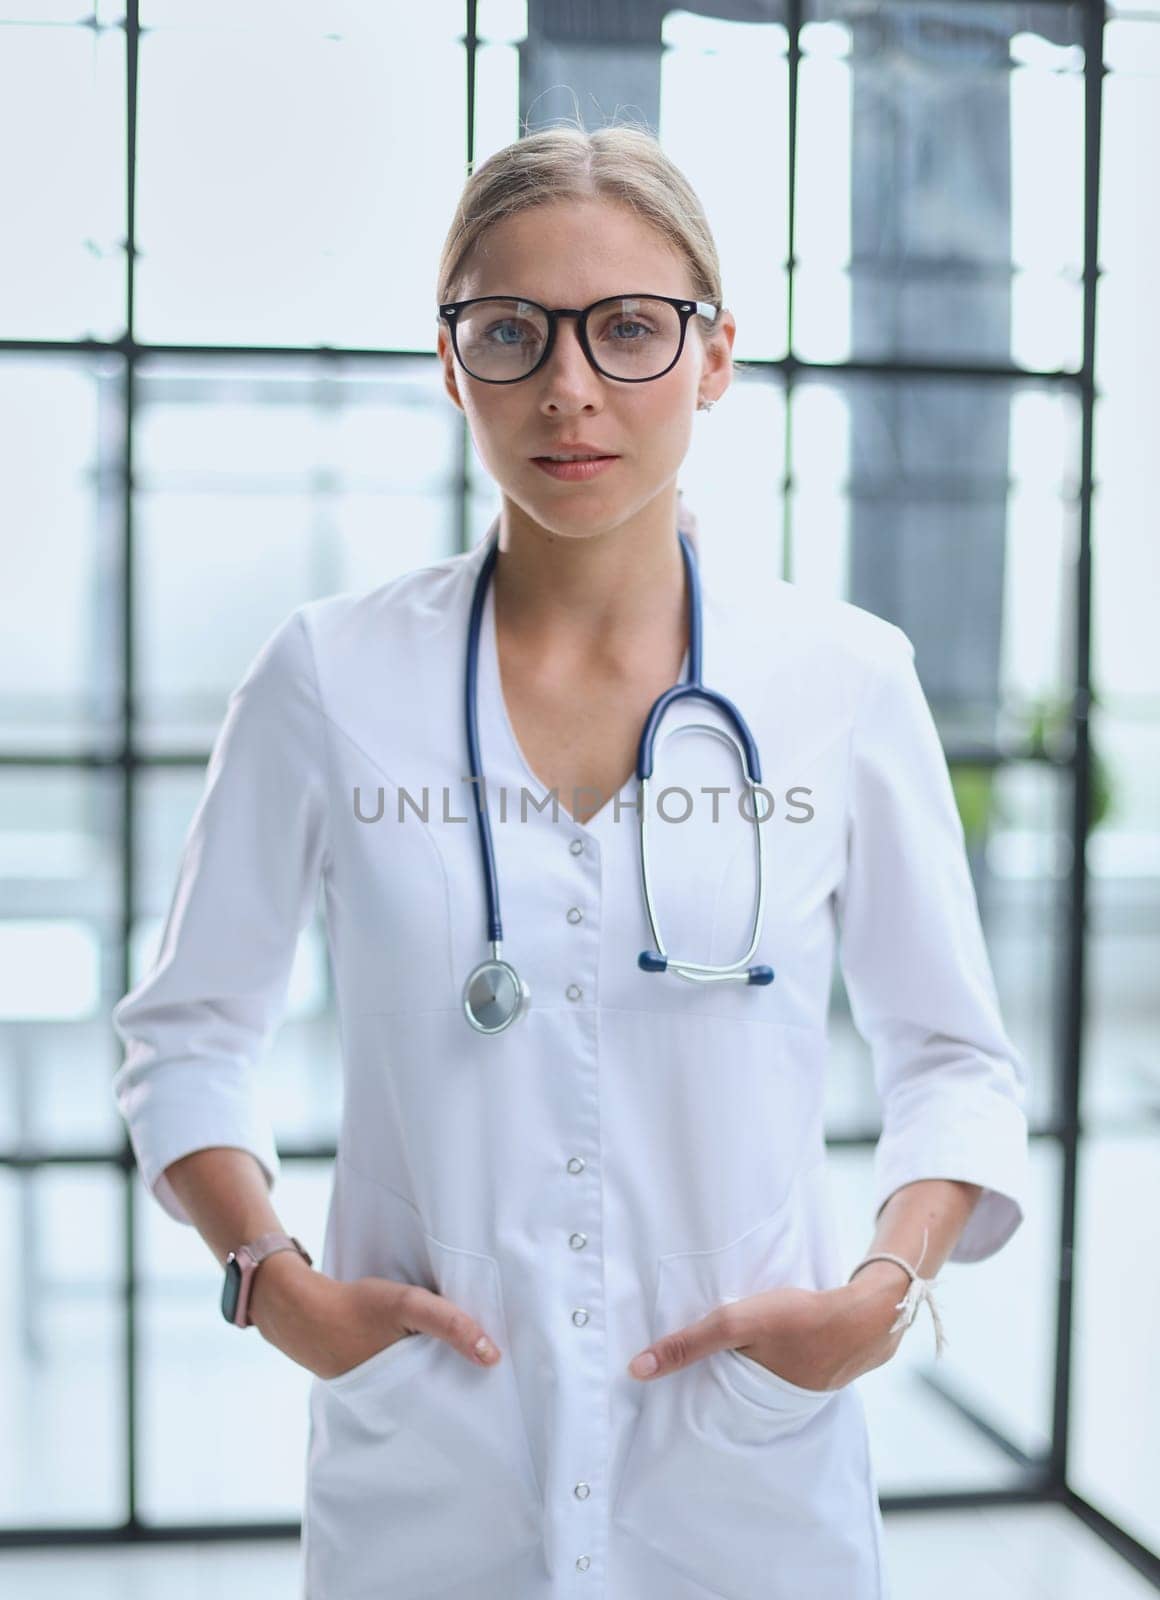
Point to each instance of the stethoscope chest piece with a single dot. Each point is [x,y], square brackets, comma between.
[494,996]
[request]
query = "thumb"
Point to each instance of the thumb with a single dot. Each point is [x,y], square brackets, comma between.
[422,1311]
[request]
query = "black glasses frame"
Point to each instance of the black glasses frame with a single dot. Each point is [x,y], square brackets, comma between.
[449,313]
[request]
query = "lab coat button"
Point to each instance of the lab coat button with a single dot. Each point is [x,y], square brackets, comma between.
[581,1491]
[576,846]
[578,1241]
[580,1318]
[582,1563]
[574,913]
[576,1164]
[573,991]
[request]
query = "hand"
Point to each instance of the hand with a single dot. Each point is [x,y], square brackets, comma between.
[817,1338]
[329,1326]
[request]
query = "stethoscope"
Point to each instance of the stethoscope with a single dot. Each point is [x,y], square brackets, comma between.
[494,994]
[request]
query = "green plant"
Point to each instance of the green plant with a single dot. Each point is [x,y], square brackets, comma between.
[1048,731]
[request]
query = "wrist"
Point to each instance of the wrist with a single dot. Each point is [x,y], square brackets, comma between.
[877,1279]
[870,1305]
[284,1285]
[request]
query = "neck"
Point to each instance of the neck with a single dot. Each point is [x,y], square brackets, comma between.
[609,593]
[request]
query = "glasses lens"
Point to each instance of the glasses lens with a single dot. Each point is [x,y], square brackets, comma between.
[501,339]
[634,336]
[631,337]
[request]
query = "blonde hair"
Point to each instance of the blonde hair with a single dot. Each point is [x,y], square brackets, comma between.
[621,162]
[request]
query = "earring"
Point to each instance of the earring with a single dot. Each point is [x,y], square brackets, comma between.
[706,405]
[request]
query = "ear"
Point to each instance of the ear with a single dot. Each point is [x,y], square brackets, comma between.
[717,367]
[447,357]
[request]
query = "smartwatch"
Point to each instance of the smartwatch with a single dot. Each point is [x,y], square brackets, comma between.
[242,1264]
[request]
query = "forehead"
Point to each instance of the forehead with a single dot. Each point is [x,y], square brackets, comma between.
[573,252]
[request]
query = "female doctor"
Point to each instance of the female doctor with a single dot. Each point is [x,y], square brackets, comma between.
[579,1326]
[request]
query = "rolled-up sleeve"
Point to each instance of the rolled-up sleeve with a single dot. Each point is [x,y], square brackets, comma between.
[915,967]
[195,1026]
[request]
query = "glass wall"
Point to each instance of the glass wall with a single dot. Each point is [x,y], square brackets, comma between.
[220,398]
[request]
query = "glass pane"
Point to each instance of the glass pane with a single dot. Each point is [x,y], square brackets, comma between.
[948,508]
[938,188]
[59,958]
[62,182]
[1115,1399]
[1017,819]
[725,99]
[264,484]
[300,1076]
[61,422]
[1125,550]
[1122,1021]
[501,28]
[223,1414]
[269,212]
[104,12]
[62,1447]
[705,84]
[980,1414]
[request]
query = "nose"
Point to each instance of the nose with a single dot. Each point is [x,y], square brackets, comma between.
[568,371]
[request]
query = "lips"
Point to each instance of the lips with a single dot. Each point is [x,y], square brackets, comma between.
[575,471]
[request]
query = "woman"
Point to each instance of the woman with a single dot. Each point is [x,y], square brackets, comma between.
[632,1164]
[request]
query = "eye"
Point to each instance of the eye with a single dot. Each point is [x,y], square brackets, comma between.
[644,328]
[508,325]
[620,323]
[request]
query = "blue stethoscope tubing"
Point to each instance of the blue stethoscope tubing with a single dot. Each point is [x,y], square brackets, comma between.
[494,994]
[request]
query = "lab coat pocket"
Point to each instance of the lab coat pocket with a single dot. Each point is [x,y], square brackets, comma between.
[415,1441]
[765,1387]
[747,1483]
[379,1371]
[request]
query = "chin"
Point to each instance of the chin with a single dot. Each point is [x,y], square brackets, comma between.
[589,528]
[578,521]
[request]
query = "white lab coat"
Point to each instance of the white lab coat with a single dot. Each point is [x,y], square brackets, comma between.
[635,1150]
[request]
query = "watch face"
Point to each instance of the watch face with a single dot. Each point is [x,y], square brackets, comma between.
[231,1288]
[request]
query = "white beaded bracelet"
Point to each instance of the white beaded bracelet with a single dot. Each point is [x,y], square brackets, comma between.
[919,1290]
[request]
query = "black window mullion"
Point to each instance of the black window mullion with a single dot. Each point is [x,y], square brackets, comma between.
[128,767]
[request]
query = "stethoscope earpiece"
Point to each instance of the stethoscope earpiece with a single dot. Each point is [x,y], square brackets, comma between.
[653,961]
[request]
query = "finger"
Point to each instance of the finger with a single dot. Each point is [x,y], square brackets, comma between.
[686,1345]
[422,1311]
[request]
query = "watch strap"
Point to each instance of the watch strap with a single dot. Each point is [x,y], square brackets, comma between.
[250,1256]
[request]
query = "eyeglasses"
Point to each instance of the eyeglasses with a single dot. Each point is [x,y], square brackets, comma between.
[632,338]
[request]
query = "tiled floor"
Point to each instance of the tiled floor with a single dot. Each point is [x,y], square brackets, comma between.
[1005,1553]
